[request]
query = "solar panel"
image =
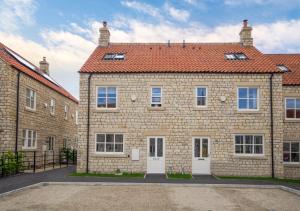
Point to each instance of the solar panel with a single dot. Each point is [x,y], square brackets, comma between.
[21,60]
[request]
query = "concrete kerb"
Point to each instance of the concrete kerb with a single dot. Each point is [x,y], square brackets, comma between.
[281,187]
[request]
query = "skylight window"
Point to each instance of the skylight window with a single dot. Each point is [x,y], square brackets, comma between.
[235,56]
[114,56]
[283,68]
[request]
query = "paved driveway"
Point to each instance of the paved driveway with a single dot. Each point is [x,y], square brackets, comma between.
[148,197]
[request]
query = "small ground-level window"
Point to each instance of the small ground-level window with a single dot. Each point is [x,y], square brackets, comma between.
[291,152]
[156,96]
[29,139]
[249,144]
[50,143]
[109,143]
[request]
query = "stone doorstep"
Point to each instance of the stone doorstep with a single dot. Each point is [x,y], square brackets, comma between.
[281,187]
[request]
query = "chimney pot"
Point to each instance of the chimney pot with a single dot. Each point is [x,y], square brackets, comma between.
[104,23]
[245,22]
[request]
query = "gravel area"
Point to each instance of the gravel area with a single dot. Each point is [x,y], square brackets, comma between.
[148,197]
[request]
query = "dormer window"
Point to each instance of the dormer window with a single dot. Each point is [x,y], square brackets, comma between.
[235,56]
[114,56]
[283,68]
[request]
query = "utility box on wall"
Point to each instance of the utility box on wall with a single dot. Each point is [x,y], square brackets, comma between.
[135,154]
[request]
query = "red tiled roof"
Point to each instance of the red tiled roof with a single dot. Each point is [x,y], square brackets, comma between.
[292,62]
[7,57]
[194,57]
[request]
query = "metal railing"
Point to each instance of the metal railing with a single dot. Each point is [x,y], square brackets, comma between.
[32,161]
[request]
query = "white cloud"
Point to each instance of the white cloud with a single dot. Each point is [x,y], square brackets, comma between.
[15,13]
[66,53]
[177,14]
[142,7]
[280,36]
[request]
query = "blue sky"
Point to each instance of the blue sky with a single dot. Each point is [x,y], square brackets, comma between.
[66,32]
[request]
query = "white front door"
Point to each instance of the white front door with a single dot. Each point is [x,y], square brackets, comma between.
[156,155]
[201,155]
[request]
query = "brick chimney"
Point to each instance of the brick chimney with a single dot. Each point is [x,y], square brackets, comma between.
[44,66]
[104,35]
[245,35]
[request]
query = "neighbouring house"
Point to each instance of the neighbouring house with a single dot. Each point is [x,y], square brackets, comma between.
[36,113]
[290,65]
[201,108]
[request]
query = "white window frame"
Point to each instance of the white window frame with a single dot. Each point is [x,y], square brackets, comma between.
[26,138]
[107,153]
[76,117]
[52,106]
[290,152]
[257,99]
[249,154]
[32,94]
[50,142]
[206,96]
[106,87]
[285,108]
[65,143]
[66,111]
[152,104]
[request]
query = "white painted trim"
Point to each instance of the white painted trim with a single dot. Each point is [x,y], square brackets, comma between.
[35,95]
[164,150]
[26,139]
[248,154]
[206,97]
[257,100]
[109,153]
[285,104]
[161,97]
[117,97]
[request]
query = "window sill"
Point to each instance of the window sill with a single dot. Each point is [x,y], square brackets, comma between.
[107,110]
[156,108]
[292,120]
[253,157]
[28,149]
[52,114]
[109,155]
[248,112]
[30,109]
[199,108]
[292,164]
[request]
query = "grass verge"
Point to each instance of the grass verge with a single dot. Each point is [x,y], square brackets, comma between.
[179,176]
[124,174]
[295,181]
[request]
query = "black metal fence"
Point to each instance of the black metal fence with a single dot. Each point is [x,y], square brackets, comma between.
[32,161]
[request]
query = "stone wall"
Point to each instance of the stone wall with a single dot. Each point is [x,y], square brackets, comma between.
[291,131]
[41,119]
[179,120]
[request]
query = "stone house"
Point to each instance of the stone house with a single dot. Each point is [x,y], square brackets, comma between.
[290,64]
[36,113]
[201,108]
